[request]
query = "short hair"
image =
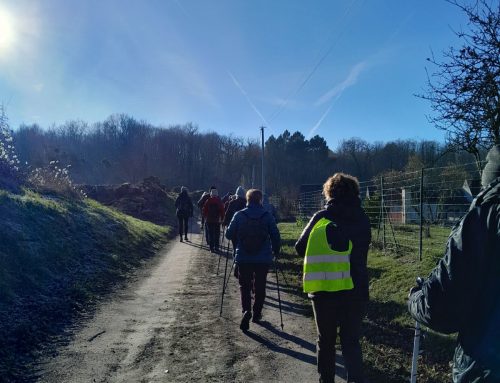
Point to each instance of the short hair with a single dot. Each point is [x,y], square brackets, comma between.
[254,196]
[341,186]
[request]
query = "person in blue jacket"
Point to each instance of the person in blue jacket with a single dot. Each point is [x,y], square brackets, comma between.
[257,237]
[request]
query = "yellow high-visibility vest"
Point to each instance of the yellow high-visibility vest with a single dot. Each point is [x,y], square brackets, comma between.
[325,269]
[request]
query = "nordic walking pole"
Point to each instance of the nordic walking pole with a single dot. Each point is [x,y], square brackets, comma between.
[416,344]
[279,297]
[220,253]
[283,275]
[224,280]
[191,228]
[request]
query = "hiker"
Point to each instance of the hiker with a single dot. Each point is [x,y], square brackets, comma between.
[226,197]
[201,203]
[257,237]
[235,204]
[184,211]
[334,245]
[462,294]
[269,207]
[213,211]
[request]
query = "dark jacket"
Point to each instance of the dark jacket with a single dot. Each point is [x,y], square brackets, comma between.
[462,294]
[350,216]
[234,206]
[202,200]
[213,210]
[184,205]
[273,243]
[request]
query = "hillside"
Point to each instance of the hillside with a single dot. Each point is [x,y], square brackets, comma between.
[58,256]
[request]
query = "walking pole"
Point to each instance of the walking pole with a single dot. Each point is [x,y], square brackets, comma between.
[416,344]
[220,253]
[191,229]
[279,297]
[283,274]
[224,284]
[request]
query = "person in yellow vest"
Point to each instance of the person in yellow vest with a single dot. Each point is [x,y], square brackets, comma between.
[334,245]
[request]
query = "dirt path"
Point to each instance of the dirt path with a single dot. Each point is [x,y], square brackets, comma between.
[166,328]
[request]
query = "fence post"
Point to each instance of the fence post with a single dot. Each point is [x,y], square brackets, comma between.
[382,209]
[421,213]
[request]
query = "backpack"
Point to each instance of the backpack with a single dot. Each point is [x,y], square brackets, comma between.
[253,234]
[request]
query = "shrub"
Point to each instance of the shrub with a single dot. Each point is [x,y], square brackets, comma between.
[54,179]
[10,174]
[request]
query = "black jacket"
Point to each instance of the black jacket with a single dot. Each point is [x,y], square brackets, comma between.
[184,205]
[234,206]
[350,216]
[462,294]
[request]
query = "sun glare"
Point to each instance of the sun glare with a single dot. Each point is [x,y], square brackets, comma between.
[7,34]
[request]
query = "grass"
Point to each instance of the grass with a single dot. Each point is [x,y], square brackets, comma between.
[58,256]
[388,329]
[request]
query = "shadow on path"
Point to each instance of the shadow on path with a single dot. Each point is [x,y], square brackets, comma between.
[275,348]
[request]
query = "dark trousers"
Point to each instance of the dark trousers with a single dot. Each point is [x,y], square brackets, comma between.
[343,311]
[252,274]
[213,235]
[183,225]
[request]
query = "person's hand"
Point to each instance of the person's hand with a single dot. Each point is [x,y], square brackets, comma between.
[414,289]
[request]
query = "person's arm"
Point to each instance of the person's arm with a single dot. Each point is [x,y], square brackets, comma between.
[228,215]
[177,203]
[301,244]
[191,207]
[274,233]
[205,209]
[221,211]
[232,229]
[446,296]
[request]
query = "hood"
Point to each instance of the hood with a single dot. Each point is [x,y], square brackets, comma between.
[254,210]
[240,192]
[490,194]
[491,170]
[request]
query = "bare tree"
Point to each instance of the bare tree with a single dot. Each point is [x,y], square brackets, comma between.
[464,91]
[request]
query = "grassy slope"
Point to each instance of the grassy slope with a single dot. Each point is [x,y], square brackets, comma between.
[388,329]
[55,256]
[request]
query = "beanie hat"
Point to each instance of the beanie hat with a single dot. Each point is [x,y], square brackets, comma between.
[240,192]
[492,169]
[213,193]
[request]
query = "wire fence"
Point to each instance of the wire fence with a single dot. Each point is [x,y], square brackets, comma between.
[410,212]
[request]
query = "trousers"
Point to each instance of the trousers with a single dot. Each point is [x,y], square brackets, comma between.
[343,311]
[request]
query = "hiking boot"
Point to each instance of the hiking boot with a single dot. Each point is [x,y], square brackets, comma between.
[256,317]
[245,321]
[186,238]
[181,238]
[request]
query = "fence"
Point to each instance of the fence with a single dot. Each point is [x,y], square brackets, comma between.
[408,211]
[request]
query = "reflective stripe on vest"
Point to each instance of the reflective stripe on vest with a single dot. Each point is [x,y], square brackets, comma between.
[325,269]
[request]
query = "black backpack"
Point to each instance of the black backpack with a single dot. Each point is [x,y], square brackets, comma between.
[253,234]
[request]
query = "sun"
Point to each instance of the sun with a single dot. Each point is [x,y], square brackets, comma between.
[7,30]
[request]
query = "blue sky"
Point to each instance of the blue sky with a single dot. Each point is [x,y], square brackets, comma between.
[336,68]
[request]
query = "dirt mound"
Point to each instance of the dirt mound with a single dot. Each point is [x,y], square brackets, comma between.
[148,200]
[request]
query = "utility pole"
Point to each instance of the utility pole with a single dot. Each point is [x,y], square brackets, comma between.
[263,179]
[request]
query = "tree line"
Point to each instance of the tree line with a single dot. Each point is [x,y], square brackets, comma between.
[123,149]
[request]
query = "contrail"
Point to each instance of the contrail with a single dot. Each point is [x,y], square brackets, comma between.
[248,98]
[315,127]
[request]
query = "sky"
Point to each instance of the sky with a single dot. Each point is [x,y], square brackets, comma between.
[336,68]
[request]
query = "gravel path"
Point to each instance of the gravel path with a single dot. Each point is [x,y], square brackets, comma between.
[166,328]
